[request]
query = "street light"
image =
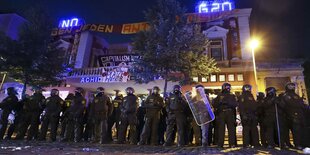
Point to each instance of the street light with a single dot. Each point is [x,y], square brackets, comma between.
[254,44]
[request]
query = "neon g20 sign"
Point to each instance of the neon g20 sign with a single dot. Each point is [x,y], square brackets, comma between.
[215,6]
[72,22]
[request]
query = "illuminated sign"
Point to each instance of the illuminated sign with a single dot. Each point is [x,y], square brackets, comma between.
[215,6]
[70,23]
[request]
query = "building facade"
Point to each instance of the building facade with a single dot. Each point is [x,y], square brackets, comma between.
[99,63]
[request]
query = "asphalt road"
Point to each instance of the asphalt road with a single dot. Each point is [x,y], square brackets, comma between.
[59,148]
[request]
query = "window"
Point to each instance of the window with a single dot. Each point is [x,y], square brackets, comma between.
[204,80]
[195,79]
[213,78]
[222,78]
[216,50]
[240,77]
[216,53]
[231,77]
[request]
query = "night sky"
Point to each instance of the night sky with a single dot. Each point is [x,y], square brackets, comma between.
[282,25]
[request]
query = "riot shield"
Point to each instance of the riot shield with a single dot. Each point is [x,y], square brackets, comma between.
[200,106]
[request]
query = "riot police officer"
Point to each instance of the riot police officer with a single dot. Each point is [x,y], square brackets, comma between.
[176,108]
[270,116]
[100,109]
[128,117]
[17,111]
[260,117]
[7,106]
[194,129]
[153,105]
[294,107]
[51,115]
[225,104]
[64,118]
[74,114]
[31,114]
[115,117]
[248,110]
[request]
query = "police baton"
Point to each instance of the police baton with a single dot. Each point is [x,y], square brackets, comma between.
[278,126]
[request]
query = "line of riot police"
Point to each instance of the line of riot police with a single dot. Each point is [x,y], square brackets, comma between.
[158,120]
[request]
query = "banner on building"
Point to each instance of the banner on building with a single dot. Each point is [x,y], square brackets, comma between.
[132,28]
[109,75]
[117,60]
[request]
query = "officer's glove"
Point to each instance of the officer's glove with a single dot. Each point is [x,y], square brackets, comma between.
[11,118]
[42,116]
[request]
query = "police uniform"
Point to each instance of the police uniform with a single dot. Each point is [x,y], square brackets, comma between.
[7,106]
[115,117]
[51,117]
[153,104]
[225,104]
[270,118]
[248,110]
[176,109]
[18,111]
[64,118]
[75,114]
[31,115]
[128,118]
[294,108]
[100,109]
[260,118]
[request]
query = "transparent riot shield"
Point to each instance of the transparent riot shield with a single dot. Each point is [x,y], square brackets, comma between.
[200,106]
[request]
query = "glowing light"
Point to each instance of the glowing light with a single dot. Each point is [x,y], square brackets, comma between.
[203,8]
[226,3]
[254,43]
[216,7]
[74,20]
[69,23]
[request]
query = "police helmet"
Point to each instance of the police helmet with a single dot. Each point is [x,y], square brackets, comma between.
[156,89]
[246,88]
[37,89]
[130,90]
[11,90]
[54,92]
[271,91]
[100,90]
[260,95]
[200,86]
[226,86]
[177,87]
[79,90]
[290,86]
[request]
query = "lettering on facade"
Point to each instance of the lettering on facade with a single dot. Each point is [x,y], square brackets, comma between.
[132,28]
[214,6]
